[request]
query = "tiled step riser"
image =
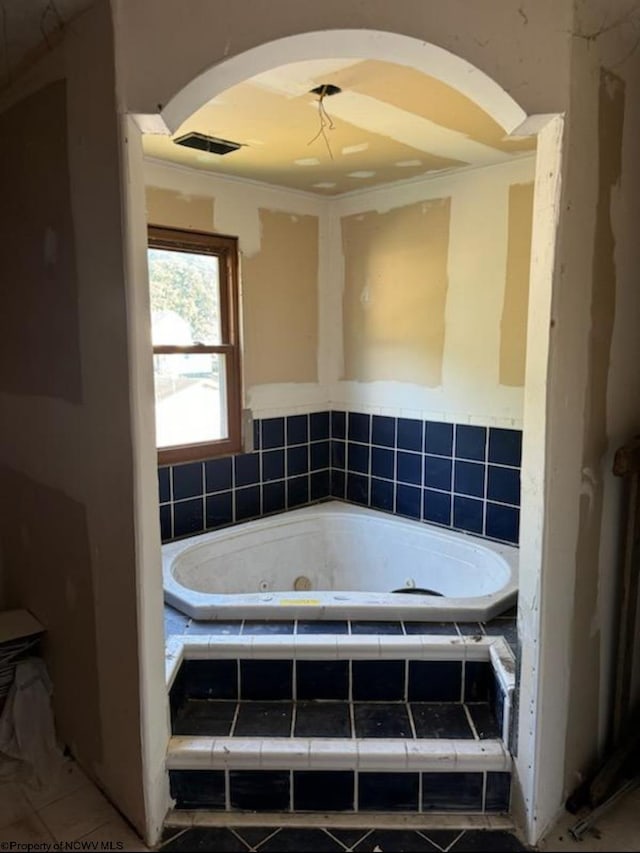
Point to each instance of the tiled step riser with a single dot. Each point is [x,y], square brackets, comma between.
[341,791]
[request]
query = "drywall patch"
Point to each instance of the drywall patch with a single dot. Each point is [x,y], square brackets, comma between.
[513,327]
[44,541]
[39,330]
[430,98]
[395,293]
[178,210]
[584,693]
[280,301]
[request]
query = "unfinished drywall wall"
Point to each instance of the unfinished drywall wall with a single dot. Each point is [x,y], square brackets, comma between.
[43,316]
[596,461]
[421,281]
[547,54]
[67,534]
[513,326]
[279,236]
[410,298]
[42,529]
[280,301]
[165,207]
[395,293]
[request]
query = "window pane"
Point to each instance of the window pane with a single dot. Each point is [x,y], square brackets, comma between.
[191,403]
[185,298]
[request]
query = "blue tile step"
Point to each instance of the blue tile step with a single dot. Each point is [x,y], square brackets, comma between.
[339,774]
[336,718]
[405,686]
[334,723]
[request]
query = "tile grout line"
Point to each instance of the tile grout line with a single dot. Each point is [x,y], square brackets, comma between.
[414,733]
[470,721]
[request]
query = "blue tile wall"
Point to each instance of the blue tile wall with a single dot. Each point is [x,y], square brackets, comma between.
[455,475]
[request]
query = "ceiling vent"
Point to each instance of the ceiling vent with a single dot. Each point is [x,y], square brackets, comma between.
[210,144]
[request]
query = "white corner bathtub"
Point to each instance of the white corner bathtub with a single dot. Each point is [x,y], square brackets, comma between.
[338,561]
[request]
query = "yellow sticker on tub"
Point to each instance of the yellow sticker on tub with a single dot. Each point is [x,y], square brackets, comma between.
[305,602]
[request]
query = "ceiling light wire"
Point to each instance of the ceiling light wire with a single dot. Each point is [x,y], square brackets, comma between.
[326,122]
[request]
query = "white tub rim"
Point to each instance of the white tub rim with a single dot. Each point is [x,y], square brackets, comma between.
[342,604]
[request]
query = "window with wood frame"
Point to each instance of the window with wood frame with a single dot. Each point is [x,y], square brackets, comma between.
[193,282]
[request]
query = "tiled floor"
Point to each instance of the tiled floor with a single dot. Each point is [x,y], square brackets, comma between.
[312,839]
[71,810]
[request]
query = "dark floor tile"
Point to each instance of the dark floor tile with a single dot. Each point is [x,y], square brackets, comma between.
[204,717]
[322,719]
[322,679]
[381,719]
[484,720]
[388,792]
[206,839]
[440,720]
[301,841]
[470,629]
[322,626]
[259,626]
[487,841]
[316,791]
[378,680]
[442,838]
[174,621]
[452,792]
[171,832]
[348,837]
[259,790]
[431,628]
[197,789]
[210,679]
[263,719]
[214,627]
[395,840]
[254,835]
[435,681]
[376,628]
[266,679]
[506,628]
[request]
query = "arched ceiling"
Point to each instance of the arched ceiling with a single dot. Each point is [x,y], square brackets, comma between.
[389,122]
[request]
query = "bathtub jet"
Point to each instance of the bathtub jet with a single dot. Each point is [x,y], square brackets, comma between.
[339,561]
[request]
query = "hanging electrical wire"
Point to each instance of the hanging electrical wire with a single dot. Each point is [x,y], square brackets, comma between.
[326,122]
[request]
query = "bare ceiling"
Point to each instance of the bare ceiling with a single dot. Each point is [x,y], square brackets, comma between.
[389,122]
[27,27]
